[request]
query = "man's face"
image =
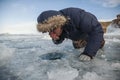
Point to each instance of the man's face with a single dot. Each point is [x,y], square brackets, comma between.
[55,34]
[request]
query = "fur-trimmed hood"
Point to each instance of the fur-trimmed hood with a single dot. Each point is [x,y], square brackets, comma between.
[50,20]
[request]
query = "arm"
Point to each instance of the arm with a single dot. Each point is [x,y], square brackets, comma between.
[94,40]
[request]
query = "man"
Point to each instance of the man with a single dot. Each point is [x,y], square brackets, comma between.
[76,24]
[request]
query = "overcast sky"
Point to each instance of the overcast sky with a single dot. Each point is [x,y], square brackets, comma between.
[19,16]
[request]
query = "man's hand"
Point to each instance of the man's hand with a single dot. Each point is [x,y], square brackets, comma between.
[84,57]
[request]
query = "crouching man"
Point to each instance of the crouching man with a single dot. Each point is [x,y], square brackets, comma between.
[76,24]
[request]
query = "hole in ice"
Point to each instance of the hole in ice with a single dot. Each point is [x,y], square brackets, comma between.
[52,56]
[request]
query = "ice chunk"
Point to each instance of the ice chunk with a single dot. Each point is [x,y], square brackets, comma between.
[116,65]
[113,29]
[62,74]
[5,54]
[92,76]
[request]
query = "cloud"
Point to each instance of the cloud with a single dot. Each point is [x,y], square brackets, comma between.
[108,3]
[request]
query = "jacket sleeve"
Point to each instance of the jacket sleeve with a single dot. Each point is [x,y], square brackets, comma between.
[95,38]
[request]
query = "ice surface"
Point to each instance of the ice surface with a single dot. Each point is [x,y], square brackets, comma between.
[28,57]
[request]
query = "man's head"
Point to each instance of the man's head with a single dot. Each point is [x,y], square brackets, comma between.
[51,21]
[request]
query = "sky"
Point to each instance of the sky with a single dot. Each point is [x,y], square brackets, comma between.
[20,16]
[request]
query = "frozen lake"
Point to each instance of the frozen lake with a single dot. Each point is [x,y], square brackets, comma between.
[35,57]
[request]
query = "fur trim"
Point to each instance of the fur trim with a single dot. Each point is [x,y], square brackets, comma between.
[51,23]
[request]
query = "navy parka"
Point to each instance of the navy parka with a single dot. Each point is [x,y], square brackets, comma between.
[83,24]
